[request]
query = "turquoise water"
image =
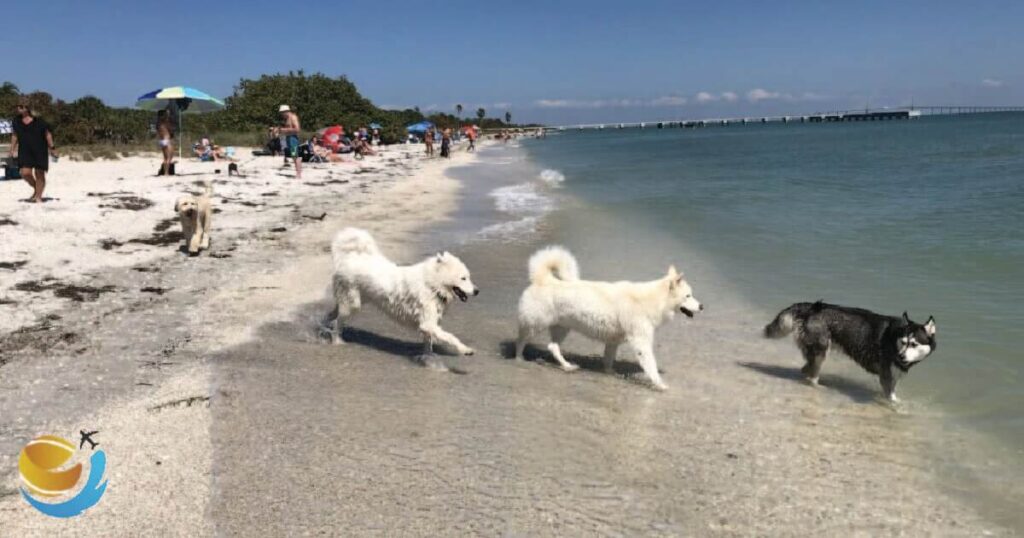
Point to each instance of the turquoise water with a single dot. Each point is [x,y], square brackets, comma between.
[923,216]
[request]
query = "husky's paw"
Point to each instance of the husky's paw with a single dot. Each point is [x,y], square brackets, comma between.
[812,381]
[661,387]
[893,399]
[570,368]
[466,351]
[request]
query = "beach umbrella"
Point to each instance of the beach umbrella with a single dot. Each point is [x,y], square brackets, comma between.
[5,127]
[375,126]
[182,99]
[420,127]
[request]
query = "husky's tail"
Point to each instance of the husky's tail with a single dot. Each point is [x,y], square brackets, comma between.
[353,241]
[553,262]
[786,321]
[781,326]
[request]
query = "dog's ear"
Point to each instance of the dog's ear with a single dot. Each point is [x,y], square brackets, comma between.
[906,318]
[929,326]
[440,257]
[177,206]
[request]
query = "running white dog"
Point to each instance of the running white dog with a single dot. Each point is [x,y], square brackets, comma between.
[413,295]
[610,312]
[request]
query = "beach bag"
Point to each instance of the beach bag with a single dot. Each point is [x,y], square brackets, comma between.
[11,170]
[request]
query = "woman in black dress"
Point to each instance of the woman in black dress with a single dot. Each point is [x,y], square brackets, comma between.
[32,143]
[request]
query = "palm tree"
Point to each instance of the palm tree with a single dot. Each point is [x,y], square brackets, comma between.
[508,117]
[458,111]
[480,113]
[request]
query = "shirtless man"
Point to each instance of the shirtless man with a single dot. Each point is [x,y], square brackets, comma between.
[164,135]
[290,129]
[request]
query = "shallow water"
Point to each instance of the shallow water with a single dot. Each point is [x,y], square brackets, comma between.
[924,216]
[624,221]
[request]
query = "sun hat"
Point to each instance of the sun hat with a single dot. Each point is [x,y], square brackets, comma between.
[284,108]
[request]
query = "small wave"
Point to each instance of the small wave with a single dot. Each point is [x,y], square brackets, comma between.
[552,177]
[509,231]
[522,199]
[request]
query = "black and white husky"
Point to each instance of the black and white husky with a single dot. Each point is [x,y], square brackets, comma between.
[886,346]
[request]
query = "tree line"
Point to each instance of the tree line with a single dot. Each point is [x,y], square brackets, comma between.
[319,100]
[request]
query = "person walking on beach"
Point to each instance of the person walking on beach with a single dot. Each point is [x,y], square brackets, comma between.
[290,129]
[471,135]
[428,139]
[446,143]
[32,141]
[164,134]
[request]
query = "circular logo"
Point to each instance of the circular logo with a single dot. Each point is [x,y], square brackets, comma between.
[41,464]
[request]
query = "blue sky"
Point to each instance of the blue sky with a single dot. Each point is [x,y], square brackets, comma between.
[552,62]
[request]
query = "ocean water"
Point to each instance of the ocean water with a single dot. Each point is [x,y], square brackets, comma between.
[923,216]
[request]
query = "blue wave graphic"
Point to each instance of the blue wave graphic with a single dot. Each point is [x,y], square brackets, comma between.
[89,496]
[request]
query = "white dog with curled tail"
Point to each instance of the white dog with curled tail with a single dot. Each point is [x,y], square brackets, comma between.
[413,295]
[611,312]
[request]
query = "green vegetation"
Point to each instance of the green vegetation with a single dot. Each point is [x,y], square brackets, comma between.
[319,100]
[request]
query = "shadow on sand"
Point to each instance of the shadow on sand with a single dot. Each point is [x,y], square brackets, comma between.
[851,389]
[585,362]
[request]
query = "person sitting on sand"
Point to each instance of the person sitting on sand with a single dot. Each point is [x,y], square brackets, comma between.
[204,150]
[325,153]
[362,147]
[30,141]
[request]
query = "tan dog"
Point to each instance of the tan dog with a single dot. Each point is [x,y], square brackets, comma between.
[195,213]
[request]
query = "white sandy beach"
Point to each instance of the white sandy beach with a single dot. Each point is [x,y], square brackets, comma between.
[156,431]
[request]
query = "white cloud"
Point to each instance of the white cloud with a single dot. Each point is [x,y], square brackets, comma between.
[729,96]
[668,100]
[992,83]
[501,105]
[596,103]
[760,94]
[705,97]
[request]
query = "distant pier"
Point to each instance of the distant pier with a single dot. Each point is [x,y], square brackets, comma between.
[883,114]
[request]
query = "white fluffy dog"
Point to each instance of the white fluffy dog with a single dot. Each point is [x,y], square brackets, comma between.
[610,312]
[195,213]
[414,295]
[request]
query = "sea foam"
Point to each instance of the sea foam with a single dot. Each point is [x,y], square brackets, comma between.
[552,177]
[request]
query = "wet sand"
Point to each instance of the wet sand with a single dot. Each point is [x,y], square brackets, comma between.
[300,437]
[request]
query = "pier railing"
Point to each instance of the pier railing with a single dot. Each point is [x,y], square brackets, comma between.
[882,114]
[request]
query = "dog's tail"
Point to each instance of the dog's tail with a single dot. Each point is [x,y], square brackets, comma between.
[553,262]
[782,325]
[353,241]
[786,321]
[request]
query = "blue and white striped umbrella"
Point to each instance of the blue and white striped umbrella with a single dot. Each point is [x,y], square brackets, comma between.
[188,100]
[5,127]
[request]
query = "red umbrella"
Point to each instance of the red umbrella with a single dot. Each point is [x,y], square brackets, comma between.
[331,137]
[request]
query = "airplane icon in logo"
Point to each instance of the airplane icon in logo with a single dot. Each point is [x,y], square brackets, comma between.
[87,437]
